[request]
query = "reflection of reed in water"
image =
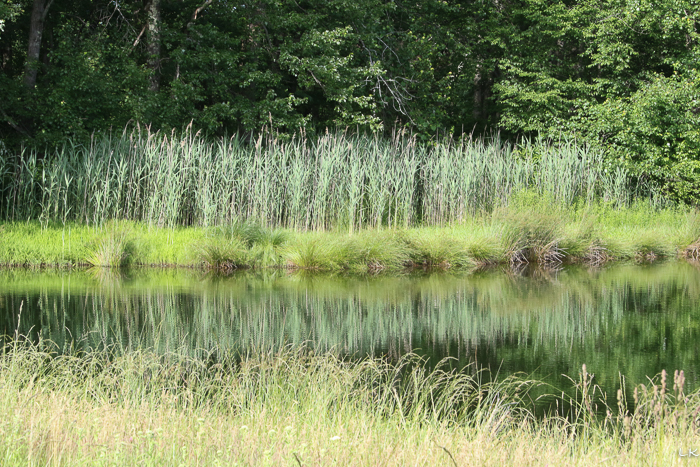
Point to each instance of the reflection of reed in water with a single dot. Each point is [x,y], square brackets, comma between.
[107,276]
[573,312]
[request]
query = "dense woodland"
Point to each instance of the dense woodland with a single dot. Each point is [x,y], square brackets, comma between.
[621,75]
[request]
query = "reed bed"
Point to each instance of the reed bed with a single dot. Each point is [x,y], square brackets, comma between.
[337,180]
[298,408]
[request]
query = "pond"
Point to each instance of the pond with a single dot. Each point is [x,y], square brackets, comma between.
[628,320]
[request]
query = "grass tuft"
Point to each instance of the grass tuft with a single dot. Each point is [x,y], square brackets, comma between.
[296,407]
[429,248]
[315,251]
[114,249]
[691,236]
[532,229]
[223,253]
[378,251]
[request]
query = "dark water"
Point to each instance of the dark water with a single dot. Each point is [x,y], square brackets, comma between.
[629,320]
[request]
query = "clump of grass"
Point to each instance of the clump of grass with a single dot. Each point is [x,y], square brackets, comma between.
[249,232]
[114,249]
[693,251]
[224,249]
[641,231]
[265,252]
[581,240]
[691,236]
[638,243]
[484,251]
[378,251]
[651,245]
[263,243]
[532,228]
[315,251]
[481,241]
[223,255]
[437,249]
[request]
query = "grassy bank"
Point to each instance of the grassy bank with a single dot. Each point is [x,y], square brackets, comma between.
[337,202]
[296,408]
[530,230]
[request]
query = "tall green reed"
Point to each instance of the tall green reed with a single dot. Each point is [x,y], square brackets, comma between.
[336,180]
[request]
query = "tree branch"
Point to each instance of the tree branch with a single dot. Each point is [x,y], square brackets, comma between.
[46,10]
[138,38]
[317,81]
[14,126]
[199,10]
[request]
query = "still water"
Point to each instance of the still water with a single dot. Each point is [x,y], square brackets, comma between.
[626,320]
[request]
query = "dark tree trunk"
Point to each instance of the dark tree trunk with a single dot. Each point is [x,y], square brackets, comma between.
[36,29]
[154,43]
[478,94]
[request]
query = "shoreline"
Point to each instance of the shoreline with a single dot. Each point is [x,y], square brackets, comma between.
[591,236]
[407,269]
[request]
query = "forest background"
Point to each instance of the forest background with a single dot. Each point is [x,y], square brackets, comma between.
[618,75]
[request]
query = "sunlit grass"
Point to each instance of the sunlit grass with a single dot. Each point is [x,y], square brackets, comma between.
[538,231]
[293,407]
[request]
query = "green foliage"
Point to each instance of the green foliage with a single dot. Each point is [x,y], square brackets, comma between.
[615,75]
[654,132]
[618,75]
[8,12]
[271,63]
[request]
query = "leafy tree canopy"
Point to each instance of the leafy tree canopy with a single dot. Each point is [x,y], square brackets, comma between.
[618,74]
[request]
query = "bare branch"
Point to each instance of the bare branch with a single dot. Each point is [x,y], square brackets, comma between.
[392,88]
[317,81]
[46,10]
[14,126]
[199,10]
[138,38]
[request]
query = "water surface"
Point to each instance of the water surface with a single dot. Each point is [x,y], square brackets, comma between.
[622,320]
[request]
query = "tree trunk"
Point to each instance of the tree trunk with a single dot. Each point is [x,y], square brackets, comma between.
[478,94]
[153,47]
[36,29]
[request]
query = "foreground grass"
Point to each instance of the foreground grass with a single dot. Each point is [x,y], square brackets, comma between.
[530,231]
[296,408]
